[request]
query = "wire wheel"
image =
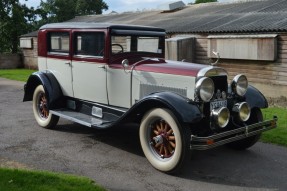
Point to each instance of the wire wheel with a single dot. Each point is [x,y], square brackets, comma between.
[41,111]
[162,139]
[42,106]
[164,142]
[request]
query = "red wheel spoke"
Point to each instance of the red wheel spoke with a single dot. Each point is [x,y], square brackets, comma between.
[171,138]
[165,152]
[158,128]
[166,127]
[156,132]
[47,113]
[169,132]
[172,144]
[157,145]
[161,150]
[161,126]
[169,149]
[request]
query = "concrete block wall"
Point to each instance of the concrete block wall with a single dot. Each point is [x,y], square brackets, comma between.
[10,61]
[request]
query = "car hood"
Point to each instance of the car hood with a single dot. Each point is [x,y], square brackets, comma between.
[171,67]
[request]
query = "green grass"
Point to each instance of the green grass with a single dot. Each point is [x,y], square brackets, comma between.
[279,135]
[24,180]
[16,74]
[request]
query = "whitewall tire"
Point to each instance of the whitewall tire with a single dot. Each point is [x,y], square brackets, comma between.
[164,142]
[41,112]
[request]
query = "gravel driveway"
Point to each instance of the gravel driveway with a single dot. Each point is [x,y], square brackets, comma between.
[114,158]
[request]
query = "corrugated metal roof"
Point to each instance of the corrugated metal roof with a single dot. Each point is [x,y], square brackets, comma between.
[250,16]
[31,34]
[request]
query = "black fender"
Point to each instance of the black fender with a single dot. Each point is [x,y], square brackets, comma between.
[51,86]
[184,109]
[255,98]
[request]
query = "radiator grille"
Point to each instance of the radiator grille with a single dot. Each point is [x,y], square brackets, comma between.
[146,89]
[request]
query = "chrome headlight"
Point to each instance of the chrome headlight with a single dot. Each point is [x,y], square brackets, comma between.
[220,116]
[243,111]
[239,84]
[204,89]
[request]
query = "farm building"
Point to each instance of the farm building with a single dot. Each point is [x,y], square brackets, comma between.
[251,37]
[29,46]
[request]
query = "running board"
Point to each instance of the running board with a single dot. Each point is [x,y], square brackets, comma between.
[82,119]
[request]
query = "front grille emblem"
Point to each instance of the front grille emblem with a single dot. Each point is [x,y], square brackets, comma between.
[218,94]
[224,95]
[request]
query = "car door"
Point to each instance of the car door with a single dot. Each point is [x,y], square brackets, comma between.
[59,59]
[119,86]
[89,67]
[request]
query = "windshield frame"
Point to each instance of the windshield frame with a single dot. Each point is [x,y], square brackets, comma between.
[135,36]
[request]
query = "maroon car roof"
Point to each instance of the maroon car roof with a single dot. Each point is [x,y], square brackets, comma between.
[93,25]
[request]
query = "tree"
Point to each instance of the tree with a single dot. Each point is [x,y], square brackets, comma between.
[63,10]
[90,7]
[15,20]
[204,1]
[57,10]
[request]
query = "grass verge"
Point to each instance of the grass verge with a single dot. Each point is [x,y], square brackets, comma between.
[16,74]
[276,136]
[24,180]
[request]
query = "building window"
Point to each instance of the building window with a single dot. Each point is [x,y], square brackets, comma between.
[243,47]
[90,44]
[26,42]
[59,42]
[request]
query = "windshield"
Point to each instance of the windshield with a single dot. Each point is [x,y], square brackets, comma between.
[144,44]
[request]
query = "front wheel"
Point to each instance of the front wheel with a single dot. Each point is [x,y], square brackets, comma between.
[40,108]
[164,141]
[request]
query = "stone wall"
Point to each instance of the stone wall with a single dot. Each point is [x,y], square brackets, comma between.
[10,61]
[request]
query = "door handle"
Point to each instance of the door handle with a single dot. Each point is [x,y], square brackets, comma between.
[102,66]
[68,63]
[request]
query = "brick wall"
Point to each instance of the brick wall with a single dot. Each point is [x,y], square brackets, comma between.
[30,55]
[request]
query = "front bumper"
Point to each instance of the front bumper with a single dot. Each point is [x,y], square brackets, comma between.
[204,143]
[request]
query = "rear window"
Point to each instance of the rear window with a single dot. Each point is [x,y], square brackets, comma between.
[59,42]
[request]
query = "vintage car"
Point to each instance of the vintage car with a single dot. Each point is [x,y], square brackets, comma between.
[102,75]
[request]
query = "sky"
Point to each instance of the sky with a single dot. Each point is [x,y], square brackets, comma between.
[125,5]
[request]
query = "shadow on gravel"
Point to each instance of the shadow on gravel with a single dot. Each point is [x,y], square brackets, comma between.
[124,137]
[221,165]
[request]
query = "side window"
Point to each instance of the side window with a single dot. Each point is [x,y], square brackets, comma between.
[90,44]
[149,44]
[59,42]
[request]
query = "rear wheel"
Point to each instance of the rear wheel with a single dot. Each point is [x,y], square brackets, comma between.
[256,116]
[164,141]
[40,108]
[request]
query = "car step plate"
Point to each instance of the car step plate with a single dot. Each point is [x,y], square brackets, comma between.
[80,118]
